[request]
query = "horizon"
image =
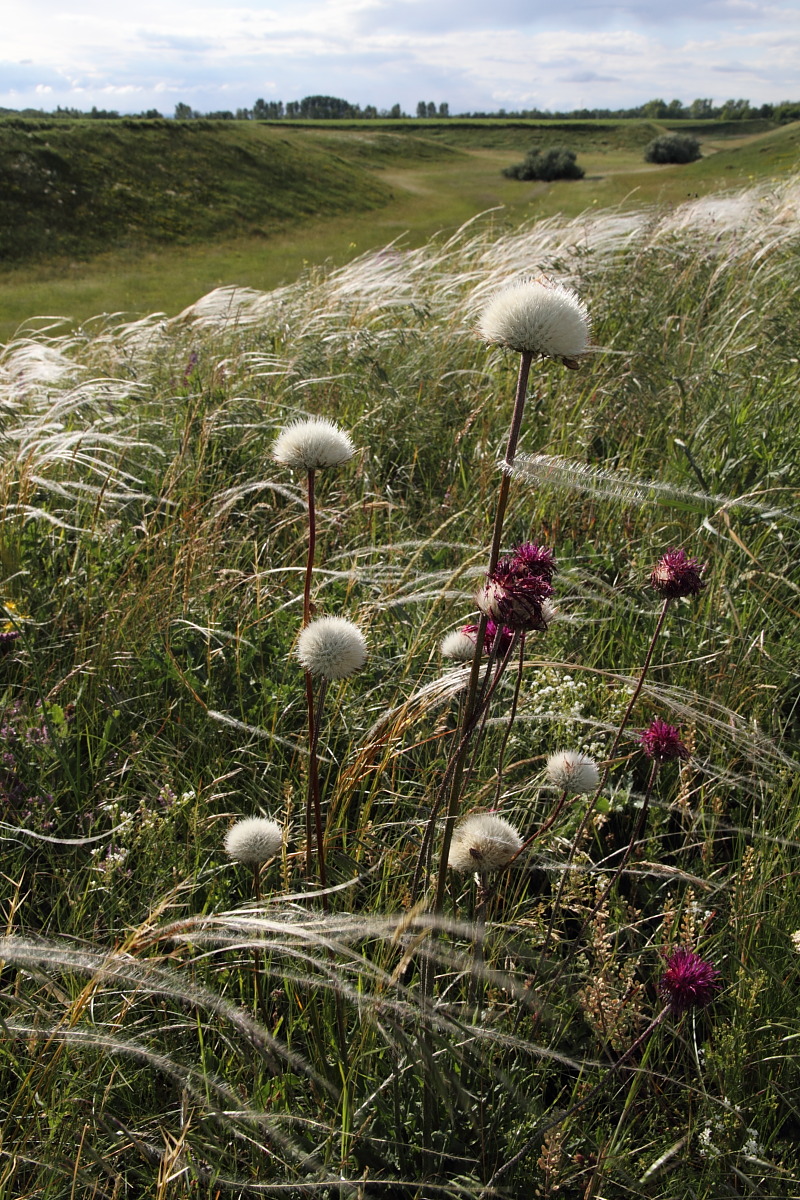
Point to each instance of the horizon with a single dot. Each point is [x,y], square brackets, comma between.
[588,55]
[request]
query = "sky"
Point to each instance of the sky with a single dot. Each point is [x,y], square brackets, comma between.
[474,56]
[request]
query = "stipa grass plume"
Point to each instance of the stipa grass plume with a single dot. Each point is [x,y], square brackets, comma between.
[559,474]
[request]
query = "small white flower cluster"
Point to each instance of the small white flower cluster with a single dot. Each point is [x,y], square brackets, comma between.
[332,647]
[253,840]
[795,938]
[313,445]
[483,842]
[560,699]
[538,316]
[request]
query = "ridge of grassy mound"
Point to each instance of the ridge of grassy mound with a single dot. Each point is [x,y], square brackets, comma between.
[81,187]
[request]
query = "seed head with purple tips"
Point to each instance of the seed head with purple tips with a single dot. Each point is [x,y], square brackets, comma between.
[675,575]
[662,742]
[689,981]
[517,591]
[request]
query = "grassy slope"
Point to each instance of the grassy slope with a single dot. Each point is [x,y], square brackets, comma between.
[79,187]
[158,553]
[434,175]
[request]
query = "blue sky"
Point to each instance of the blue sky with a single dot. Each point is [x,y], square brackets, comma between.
[507,53]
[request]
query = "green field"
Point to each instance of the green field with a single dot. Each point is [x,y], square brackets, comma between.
[181,1025]
[147,216]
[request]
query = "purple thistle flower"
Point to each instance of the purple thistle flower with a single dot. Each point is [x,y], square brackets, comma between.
[675,574]
[689,981]
[539,560]
[662,742]
[517,588]
[494,633]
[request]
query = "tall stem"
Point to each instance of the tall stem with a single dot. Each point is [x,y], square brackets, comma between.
[312,791]
[313,798]
[312,545]
[494,554]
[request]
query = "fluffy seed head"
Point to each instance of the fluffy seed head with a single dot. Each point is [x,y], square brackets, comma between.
[312,445]
[675,575]
[540,316]
[332,647]
[689,981]
[253,840]
[662,742]
[483,843]
[574,772]
[459,645]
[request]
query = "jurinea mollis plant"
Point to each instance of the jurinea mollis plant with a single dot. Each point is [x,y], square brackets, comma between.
[484,842]
[573,772]
[332,647]
[313,445]
[253,840]
[538,316]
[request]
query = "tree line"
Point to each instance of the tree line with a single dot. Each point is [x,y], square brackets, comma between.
[316,108]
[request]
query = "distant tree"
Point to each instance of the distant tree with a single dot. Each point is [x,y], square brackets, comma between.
[183,112]
[701,110]
[735,110]
[787,110]
[244,114]
[556,163]
[223,114]
[325,108]
[431,109]
[444,109]
[152,114]
[395,112]
[675,110]
[655,110]
[260,110]
[292,108]
[370,112]
[673,148]
[422,109]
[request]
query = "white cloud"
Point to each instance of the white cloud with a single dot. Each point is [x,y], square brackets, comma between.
[515,53]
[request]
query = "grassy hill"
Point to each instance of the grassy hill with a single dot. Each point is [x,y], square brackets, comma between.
[80,187]
[141,216]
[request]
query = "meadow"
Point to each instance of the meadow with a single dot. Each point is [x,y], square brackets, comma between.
[142,217]
[178,1023]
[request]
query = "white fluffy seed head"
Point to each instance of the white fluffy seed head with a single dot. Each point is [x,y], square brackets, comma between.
[312,445]
[332,647]
[572,771]
[540,316]
[483,843]
[253,840]
[458,646]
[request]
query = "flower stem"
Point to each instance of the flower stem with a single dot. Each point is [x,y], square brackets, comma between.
[456,767]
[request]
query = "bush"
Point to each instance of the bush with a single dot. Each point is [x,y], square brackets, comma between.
[556,163]
[673,148]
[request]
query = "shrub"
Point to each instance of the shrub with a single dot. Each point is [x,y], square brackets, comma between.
[556,163]
[673,148]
